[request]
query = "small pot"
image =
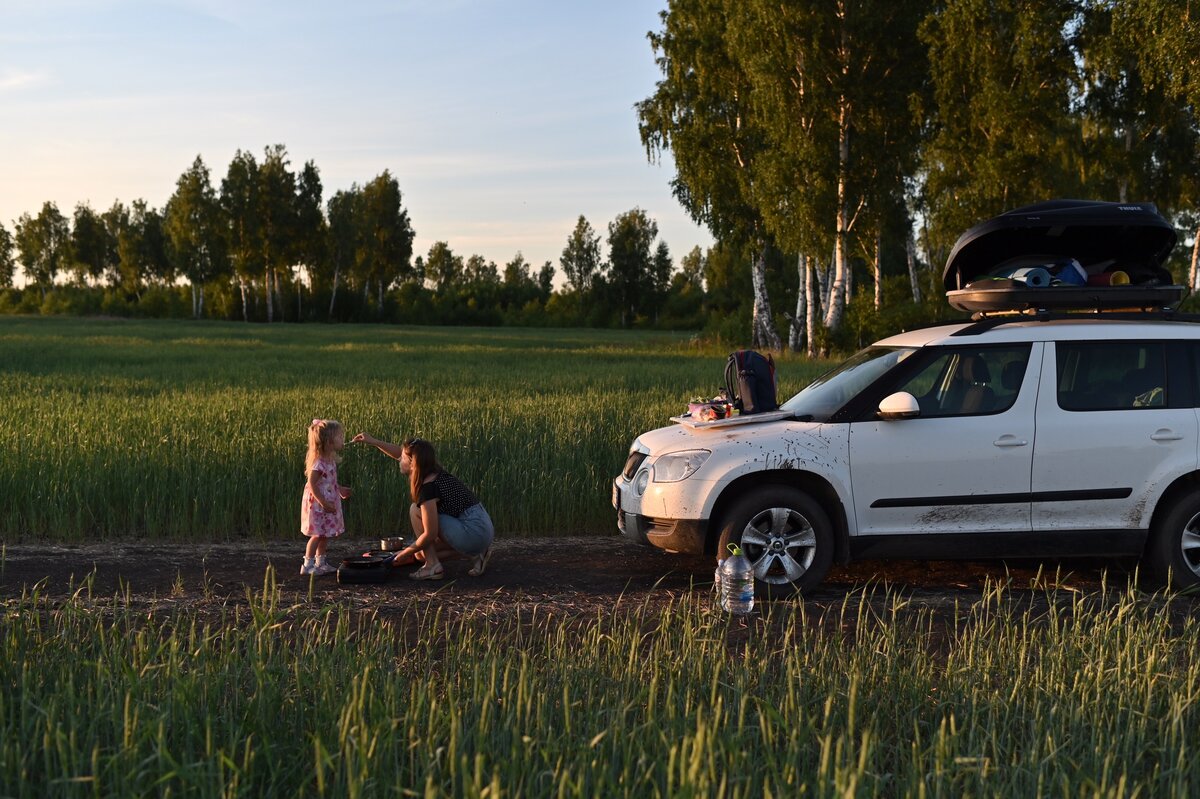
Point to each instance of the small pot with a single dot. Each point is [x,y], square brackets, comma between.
[391,544]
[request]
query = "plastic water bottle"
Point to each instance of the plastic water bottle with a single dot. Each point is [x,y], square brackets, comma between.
[717,577]
[737,583]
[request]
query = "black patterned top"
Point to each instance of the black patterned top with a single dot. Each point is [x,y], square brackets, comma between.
[453,497]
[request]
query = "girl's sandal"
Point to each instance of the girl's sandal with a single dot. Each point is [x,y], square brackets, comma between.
[426,573]
[481,563]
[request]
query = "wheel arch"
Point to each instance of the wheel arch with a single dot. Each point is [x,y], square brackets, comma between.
[1184,484]
[814,485]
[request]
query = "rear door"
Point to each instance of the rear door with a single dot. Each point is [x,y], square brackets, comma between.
[964,464]
[1114,426]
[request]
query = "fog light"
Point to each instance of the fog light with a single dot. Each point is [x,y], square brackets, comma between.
[640,482]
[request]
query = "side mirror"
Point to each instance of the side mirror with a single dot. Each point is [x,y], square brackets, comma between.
[900,405]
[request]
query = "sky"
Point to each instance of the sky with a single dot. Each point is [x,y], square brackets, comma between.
[502,121]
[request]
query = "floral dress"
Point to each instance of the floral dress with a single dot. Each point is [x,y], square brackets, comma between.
[314,519]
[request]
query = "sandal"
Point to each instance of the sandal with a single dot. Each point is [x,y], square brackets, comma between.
[426,573]
[481,563]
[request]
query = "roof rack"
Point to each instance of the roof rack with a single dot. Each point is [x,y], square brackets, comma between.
[984,321]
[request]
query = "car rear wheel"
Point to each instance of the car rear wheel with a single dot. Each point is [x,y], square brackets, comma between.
[1174,552]
[785,535]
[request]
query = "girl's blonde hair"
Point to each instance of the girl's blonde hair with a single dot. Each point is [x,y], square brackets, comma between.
[320,435]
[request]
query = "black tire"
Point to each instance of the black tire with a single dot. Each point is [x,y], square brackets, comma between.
[1173,555]
[793,539]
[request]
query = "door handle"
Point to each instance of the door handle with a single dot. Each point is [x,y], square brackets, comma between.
[1164,434]
[1009,441]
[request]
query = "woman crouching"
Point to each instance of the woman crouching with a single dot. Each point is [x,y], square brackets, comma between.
[448,520]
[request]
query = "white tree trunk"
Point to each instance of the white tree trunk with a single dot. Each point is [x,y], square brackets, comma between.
[837,294]
[878,269]
[195,302]
[333,296]
[764,334]
[910,253]
[245,304]
[270,299]
[822,277]
[848,282]
[810,316]
[796,334]
[1195,258]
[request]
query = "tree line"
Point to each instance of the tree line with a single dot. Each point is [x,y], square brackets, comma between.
[834,148]
[862,137]
[263,246]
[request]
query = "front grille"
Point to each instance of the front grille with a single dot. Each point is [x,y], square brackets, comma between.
[632,464]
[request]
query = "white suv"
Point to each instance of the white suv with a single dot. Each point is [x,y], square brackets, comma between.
[1052,434]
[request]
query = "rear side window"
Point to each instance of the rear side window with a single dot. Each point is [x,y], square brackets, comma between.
[1111,375]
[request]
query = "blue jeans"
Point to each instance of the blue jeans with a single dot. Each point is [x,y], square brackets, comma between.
[469,534]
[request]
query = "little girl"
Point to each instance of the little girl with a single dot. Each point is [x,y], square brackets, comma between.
[321,506]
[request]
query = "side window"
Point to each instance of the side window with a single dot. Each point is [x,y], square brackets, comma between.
[968,381]
[1111,375]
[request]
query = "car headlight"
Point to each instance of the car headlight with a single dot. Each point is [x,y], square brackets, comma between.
[679,465]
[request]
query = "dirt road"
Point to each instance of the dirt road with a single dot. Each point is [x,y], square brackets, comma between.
[573,575]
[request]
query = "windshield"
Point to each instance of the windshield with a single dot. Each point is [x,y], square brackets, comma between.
[829,392]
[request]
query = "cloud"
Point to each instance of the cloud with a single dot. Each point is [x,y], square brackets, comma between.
[15,79]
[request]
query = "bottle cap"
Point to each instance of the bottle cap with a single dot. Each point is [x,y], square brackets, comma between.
[734,548]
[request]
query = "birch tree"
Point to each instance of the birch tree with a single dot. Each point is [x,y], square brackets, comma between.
[701,111]
[194,229]
[1002,132]
[239,200]
[833,83]
[43,244]
[92,249]
[277,217]
[342,237]
[8,264]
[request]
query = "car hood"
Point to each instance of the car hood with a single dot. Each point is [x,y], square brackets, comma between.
[676,438]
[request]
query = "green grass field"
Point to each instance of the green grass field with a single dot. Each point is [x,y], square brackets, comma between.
[173,429]
[1061,696]
[117,429]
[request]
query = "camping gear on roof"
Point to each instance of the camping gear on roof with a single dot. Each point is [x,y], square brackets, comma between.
[1102,238]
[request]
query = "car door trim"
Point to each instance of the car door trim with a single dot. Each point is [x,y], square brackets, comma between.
[1004,499]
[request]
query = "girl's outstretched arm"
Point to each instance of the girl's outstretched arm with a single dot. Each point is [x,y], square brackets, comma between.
[391,450]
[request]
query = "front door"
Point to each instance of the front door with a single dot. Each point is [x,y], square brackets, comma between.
[964,464]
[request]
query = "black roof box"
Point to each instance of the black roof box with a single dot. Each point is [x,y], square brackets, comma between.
[1132,238]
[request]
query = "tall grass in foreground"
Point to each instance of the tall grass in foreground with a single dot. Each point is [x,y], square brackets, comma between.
[176,429]
[1094,696]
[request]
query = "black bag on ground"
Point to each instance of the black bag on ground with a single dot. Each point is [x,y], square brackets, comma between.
[750,382]
[375,567]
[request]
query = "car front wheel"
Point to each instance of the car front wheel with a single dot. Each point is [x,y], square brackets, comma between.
[1174,554]
[785,535]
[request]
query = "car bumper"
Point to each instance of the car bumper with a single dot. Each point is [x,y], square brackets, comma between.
[671,535]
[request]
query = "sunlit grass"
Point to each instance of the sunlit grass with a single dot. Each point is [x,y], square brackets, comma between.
[1039,694]
[174,429]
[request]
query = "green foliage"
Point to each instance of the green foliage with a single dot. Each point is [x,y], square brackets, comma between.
[580,261]
[1003,134]
[8,264]
[43,244]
